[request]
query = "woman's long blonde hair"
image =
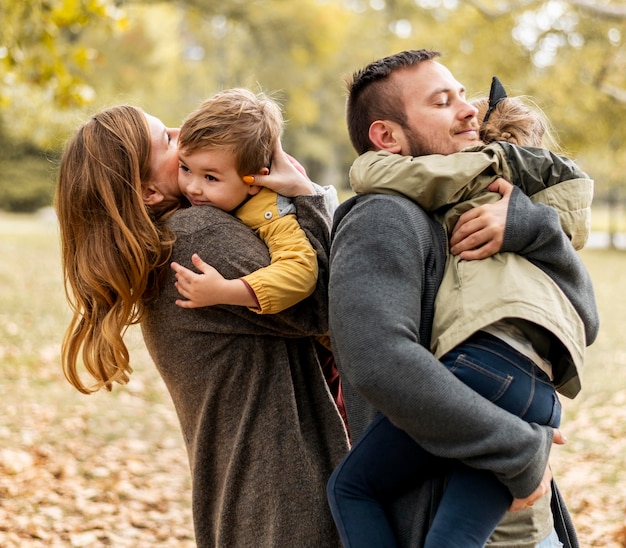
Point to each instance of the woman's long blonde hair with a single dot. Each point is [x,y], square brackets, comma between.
[112,251]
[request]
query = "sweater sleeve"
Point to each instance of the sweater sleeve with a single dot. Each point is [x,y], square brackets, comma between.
[382,249]
[534,231]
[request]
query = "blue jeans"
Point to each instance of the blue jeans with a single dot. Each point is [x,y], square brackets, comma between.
[386,462]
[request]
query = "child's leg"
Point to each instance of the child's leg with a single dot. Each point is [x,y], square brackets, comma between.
[383,463]
[505,377]
[474,501]
[472,505]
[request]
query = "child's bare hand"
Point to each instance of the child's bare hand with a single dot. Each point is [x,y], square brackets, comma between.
[198,289]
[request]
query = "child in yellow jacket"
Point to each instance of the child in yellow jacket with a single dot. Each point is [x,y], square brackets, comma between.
[231,135]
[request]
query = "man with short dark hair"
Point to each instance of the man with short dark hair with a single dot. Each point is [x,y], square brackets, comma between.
[387,261]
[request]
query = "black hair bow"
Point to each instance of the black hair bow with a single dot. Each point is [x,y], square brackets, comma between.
[497,94]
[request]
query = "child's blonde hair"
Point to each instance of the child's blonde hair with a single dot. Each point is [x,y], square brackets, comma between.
[239,120]
[517,120]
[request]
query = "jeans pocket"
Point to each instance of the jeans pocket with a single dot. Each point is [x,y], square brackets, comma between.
[480,377]
[545,406]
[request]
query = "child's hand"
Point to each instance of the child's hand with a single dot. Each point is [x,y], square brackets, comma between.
[209,288]
[199,289]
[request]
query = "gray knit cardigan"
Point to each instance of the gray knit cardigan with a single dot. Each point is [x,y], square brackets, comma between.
[261,429]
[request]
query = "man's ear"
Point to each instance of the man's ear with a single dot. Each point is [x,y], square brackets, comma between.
[151,195]
[386,135]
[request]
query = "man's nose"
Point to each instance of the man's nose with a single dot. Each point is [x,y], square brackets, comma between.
[468,110]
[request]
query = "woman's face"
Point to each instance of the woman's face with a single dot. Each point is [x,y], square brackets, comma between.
[163,164]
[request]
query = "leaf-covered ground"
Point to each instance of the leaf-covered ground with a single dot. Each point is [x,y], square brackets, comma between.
[110,469]
[591,467]
[103,470]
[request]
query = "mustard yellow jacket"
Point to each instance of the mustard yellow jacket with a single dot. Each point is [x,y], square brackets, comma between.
[292,274]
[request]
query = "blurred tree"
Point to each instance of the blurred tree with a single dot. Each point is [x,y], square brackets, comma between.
[60,59]
[40,45]
[297,51]
[568,55]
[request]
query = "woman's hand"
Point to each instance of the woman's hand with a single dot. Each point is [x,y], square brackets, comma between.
[286,177]
[479,232]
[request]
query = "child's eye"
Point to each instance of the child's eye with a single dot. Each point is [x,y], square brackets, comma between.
[183,168]
[210,178]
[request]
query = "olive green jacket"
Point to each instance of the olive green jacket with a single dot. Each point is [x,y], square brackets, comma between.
[475,294]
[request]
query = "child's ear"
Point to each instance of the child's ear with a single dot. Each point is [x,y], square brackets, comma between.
[255,189]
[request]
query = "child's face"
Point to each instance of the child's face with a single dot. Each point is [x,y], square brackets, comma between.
[209,177]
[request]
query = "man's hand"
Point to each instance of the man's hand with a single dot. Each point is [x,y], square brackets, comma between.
[542,490]
[479,232]
[544,486]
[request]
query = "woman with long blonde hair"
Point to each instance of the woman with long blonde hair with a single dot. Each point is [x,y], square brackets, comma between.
[260,427]
[112,248]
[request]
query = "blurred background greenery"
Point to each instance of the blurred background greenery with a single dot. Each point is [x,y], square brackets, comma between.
[60,60]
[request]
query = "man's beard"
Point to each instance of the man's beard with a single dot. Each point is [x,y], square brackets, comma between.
[421,145]
[418,146]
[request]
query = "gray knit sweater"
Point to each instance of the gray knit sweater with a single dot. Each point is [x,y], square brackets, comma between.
[261,429]
[387,260]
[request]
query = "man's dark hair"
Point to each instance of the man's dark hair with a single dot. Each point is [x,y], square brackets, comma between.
[372,96]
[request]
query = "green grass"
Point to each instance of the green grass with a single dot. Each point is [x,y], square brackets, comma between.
[88,459]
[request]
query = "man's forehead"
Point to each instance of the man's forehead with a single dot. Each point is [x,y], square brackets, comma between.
[427,79]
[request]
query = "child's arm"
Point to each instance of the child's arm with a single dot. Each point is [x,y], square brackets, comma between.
[292,273]
[431,181]
[435,181]
[290,277]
